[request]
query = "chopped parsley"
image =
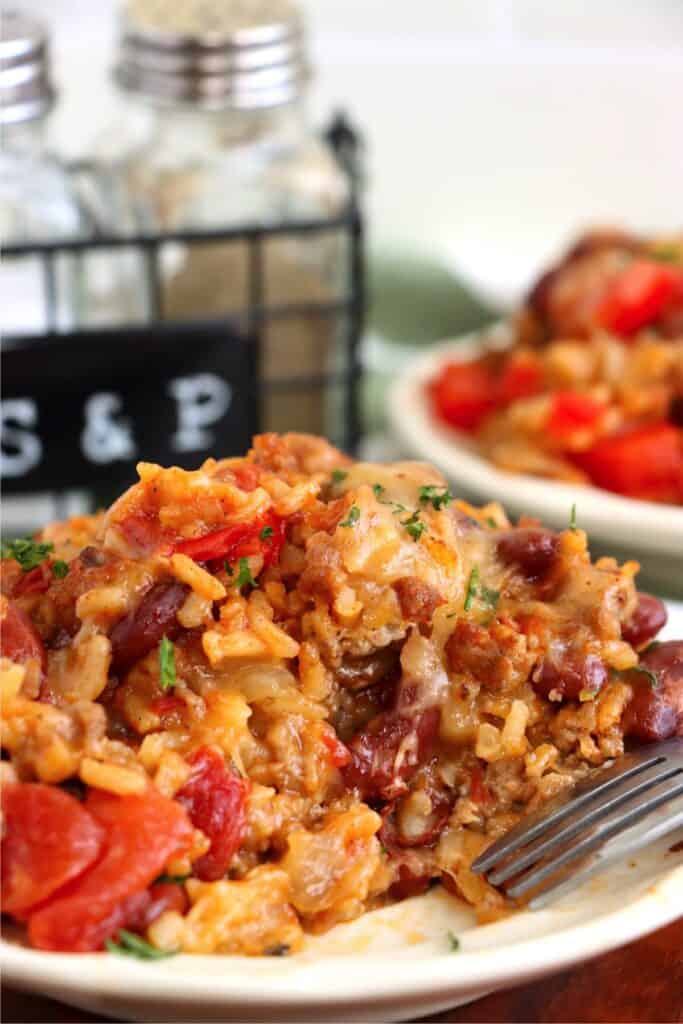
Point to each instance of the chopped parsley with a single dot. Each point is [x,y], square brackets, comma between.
[228,568]
[60,569]
[489,596]
[477,589]
[171,879]
[472,584]
[453,943]
[654,681]
[167,674]
[338,475]
[438,497]
[266,533]
[28,553]
[130,944]
[490,521]
[379,490]
[572,518]
[244,577]
[352,518]
[414,526]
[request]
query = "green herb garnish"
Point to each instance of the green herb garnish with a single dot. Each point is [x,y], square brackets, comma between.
[167,675]
[338,475]
[488,596]
[60,569]
[228,568]
[266,533]
[453,943]
[28,553]
[171,879]
[244,577]
[654,681]
[491,522]
[130,944]
[378,490]
[472,584]
[438,497]
[414,526]
[572,518]
[352,518]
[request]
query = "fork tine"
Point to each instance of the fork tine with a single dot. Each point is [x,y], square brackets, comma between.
[557,809]
[619,821]
[588,815]
[622,846]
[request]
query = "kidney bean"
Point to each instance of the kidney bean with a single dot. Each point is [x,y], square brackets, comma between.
[142,629]
[391,835]
[357,673]
[139,910]
[410,882]
[656,712]
[532,551]
[373,768]
[568,673]
[648,618]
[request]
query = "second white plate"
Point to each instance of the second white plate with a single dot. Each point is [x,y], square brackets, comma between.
[623,527]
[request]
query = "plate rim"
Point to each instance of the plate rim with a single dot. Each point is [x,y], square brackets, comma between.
[603,514]
[372,978]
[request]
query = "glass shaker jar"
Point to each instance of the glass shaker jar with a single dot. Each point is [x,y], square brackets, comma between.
[37,200]
[214,135]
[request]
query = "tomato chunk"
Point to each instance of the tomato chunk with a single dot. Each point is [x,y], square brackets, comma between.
[464,394]
[215,799]
[50,839]
[644,463]
[142,833]
[265,536]
[637,297]
[19,638]
[571,411]
[521,378]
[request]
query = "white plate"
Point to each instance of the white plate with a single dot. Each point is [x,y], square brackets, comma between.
[389,965]
[624,527]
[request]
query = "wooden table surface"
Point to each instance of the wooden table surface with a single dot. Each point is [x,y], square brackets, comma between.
[642,982]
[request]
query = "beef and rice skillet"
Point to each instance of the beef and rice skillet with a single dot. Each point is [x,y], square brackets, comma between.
[258,699]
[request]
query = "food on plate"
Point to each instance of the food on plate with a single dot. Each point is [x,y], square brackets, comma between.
[591,388]
[267,696]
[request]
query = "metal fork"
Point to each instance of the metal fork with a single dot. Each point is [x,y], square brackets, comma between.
[602,819]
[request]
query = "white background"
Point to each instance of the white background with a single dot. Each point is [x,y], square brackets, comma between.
[495,127]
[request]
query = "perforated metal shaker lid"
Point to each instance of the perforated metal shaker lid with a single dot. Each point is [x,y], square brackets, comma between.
[245,54]
[26,89]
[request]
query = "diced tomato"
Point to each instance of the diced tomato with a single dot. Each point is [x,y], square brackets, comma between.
[464,394]
[644,463]
[142,833]
[571,411]
[479,791]
[233,542]
[19,638]
[637,296]
[49,840]
[35,581]
[521,378]
[215,800]
[247,476]
[340,755]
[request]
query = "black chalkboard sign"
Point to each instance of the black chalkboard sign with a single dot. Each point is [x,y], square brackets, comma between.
[79,410]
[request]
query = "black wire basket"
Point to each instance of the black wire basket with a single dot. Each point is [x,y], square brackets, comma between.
[81,406]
